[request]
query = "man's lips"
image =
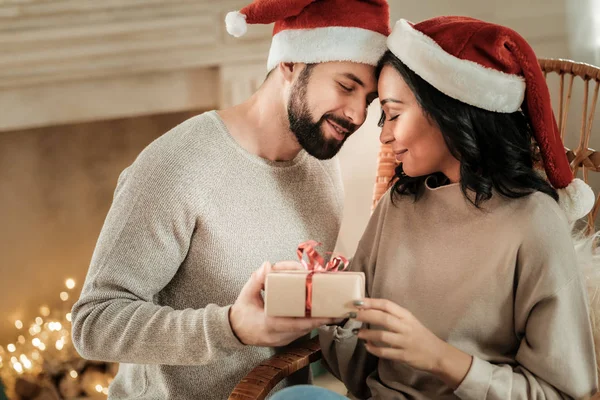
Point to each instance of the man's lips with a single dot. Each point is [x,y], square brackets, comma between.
[338,133]
[337,127]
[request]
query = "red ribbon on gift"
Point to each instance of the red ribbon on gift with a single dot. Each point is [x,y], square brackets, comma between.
[316,264]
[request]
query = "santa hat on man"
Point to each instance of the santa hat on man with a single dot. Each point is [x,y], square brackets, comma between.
[316,31]
[492,67]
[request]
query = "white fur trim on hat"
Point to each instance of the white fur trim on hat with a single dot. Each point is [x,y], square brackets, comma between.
[576,200]
[460,79]
[236,25]
[327,44]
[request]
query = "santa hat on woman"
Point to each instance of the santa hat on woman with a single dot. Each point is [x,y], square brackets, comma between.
[492,67]
[312,31]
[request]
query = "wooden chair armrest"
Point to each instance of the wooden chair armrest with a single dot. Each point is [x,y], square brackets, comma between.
[263,378]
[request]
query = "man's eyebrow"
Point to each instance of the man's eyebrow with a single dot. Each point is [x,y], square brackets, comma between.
[354,78]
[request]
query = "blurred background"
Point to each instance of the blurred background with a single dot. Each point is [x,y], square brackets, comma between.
[85,85]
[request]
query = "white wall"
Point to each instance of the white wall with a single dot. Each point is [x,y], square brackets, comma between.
[359,163]
[541,22]
[583,33]
[583,23]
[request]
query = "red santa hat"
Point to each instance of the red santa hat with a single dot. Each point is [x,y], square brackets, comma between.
[492,67]
[312,31]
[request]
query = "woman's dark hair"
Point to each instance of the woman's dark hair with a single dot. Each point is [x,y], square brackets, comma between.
[495,150]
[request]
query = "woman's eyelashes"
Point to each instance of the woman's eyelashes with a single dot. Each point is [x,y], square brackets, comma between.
[384,118]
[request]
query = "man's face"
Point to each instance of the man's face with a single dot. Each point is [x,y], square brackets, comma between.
[328,103]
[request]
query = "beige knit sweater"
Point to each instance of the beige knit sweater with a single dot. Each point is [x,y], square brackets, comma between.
[499,284]
[191,219]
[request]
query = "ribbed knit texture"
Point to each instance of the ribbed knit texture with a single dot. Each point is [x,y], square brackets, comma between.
[191,219]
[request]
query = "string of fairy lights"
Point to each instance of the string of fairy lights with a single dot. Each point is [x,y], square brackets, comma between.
[45,345]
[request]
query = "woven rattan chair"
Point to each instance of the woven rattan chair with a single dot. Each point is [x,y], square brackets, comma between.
[263,378]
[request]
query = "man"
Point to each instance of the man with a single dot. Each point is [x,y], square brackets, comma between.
[171,293]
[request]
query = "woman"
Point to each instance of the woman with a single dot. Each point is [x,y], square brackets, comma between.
[472,287]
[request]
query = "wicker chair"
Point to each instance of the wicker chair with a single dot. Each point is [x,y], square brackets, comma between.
[263,378]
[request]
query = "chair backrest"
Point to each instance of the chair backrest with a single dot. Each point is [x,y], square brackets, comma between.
[582,158]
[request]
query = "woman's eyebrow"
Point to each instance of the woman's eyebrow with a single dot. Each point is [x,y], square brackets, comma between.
[384,101]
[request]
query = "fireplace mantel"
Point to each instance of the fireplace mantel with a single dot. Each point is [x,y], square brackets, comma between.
[67,61]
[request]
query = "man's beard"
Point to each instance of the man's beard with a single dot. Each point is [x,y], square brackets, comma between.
[308,133]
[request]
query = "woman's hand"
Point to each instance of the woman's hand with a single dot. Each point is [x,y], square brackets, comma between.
[397,335]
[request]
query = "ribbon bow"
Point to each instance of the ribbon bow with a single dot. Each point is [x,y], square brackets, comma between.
[316,264]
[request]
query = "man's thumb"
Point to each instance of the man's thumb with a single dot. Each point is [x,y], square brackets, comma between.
[256,283]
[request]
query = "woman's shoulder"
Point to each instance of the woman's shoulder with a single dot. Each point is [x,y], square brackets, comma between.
[538,210]
[547,257]
[540,223]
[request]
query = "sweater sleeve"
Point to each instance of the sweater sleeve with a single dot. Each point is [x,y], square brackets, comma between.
[344,355]
[144,240]
[555,359]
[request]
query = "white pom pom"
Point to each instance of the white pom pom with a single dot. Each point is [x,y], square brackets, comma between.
[236,23]
[576,200]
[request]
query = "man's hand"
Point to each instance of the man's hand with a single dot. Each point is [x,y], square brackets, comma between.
[252,326]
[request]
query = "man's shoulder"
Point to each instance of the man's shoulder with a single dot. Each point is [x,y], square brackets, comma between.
[176,154]
[188,133]
[183,143]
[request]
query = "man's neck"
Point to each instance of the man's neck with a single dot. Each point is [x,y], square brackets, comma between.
[260,125]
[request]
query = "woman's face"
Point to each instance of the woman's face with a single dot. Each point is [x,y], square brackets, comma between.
[416,141]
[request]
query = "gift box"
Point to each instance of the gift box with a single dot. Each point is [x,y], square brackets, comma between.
[322,290]
[333,294]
